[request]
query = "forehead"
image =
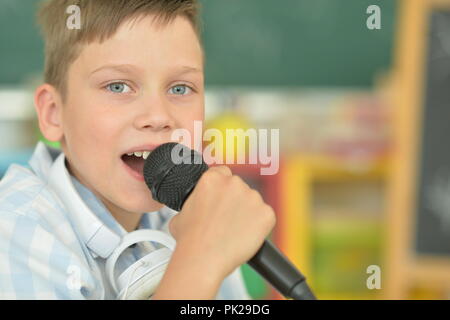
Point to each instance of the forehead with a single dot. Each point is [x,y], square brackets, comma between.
[145,43]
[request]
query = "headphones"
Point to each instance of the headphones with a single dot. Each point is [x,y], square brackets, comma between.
[141,279]
[138,281]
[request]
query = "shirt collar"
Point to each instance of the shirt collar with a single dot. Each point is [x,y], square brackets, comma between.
[41,162]
[42,159]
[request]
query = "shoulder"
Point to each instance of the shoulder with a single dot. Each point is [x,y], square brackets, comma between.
[22,192]
[26,202]
[38,247]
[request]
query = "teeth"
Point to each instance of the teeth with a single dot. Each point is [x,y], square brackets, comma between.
[143,154]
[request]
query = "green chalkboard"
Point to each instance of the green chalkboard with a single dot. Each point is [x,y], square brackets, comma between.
[249,42]
[295,42]
[21,47]
[432,194]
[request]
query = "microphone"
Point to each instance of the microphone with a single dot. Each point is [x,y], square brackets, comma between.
[171,172]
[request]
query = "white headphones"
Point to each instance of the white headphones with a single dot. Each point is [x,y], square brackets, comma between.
[138,281]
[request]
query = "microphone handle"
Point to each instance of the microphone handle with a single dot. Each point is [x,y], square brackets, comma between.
[273,266]
[269,262]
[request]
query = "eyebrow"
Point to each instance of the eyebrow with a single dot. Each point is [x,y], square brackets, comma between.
[126,68]
[188,69]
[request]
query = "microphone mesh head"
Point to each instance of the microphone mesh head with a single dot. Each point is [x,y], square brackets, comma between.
[171,171]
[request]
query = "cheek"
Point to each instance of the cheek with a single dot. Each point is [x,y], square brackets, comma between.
[187,116]
[193,123]
[92,140]
[97,130]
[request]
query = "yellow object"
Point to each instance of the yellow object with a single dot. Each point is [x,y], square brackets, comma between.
[235,137]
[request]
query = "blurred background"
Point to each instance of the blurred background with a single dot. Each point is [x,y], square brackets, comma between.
[364,178]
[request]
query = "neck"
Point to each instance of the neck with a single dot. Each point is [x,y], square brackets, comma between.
[128,220]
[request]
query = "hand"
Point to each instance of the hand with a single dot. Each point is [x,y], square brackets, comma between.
[223,222]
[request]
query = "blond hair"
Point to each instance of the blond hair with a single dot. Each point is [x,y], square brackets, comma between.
[100,19]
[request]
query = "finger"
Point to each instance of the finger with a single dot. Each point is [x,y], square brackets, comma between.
[223,170]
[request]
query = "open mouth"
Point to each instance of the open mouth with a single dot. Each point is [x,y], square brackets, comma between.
[135,160]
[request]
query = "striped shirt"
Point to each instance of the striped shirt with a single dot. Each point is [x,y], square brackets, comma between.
[42,255]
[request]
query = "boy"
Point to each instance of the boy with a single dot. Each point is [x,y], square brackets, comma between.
[114,90]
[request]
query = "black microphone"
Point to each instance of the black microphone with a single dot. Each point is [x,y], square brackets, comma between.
[171,172]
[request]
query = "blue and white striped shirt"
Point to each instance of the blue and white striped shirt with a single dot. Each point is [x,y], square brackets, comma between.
[42,255]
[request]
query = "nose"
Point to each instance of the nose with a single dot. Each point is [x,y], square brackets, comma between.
[155,115]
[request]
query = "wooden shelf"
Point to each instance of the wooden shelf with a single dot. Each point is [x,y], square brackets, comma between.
[299,221]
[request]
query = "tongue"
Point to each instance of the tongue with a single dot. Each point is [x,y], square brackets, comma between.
[135,163]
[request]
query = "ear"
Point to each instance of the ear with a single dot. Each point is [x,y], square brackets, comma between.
[48,105]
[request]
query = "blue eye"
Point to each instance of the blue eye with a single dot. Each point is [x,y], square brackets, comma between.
[180,89]
[118,87]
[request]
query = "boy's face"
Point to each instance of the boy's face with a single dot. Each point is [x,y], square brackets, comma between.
[127,94]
